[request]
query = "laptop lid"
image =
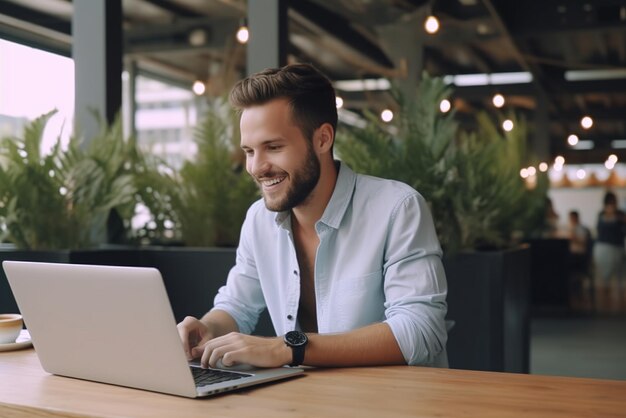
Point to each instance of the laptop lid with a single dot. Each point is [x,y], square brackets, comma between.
[110,324]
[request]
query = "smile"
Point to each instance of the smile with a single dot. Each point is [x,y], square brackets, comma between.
[272,182]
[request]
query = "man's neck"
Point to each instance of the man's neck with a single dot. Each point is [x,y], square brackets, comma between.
[311,210]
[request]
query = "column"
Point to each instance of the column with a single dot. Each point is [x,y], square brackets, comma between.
[97,53]
[267,46]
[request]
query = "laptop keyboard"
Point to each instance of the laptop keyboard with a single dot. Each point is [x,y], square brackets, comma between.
[204,377]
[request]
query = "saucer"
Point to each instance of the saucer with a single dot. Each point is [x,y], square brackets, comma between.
[23,341]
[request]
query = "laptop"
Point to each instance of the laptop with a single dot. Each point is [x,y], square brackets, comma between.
[115,325]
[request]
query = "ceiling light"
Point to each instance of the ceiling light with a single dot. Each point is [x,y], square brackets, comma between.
[559,160]
[199,88]
[197,37]
[482,29]
[369,84]
[583,75]
[431,24]
[507,125]
[521,77]
[386,115]
[586,122]
[572,139]
[243,34]
[584,144]
[612,158]
[445,105]
[498,100]
[618,143]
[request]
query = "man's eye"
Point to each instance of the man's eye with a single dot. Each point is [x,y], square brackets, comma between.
[274,147]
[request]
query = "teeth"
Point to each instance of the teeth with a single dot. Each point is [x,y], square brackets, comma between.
[272,182]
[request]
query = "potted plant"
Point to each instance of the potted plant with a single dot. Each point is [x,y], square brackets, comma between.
[479,202]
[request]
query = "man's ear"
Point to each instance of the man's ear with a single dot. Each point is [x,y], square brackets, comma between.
[324,137]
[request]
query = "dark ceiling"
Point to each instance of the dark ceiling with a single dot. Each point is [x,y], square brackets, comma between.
[575,50]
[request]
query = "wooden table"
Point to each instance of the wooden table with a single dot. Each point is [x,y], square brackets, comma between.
[27,391]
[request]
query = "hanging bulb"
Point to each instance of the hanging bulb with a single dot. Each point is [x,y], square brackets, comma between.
[198,88]
[498,100]
[243,34]
[431,24]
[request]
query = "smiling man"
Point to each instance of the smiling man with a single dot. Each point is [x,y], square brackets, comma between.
[349,266]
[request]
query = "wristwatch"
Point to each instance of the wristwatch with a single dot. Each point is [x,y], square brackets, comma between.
[297,340]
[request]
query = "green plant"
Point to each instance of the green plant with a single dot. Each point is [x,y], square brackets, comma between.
[470,179]
[64,199]
[211,194]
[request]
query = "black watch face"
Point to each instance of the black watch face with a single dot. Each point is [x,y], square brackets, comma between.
[296,338]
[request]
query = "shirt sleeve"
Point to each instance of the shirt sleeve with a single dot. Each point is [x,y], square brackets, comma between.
[415,283]
[242,296]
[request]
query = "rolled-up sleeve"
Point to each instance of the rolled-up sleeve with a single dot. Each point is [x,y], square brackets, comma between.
[242,296]
[415,283]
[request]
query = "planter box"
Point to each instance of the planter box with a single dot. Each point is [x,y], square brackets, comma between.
[192,276]
[550,267]
[488,298]
[7,301]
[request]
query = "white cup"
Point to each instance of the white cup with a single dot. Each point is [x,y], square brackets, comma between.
[10,327]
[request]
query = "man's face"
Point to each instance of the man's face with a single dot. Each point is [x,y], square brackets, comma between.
[278,156]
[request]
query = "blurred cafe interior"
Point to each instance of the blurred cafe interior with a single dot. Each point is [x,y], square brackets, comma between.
[526,98]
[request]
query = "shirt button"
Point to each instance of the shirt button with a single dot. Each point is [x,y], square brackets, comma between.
[290,317]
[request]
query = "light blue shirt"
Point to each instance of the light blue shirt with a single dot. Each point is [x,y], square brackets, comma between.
[378,260]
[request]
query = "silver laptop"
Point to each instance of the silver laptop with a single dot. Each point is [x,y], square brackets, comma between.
[114,325]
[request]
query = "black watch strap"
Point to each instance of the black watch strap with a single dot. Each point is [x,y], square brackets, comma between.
[297,340]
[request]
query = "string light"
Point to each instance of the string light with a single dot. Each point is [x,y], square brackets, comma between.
[431,24]
[581,174]
[507,125]
[586,122]
[543,167]
[445,106]
[243,34]
[339,102]
[572,139]
[386,115]
[498,100]
[198,88]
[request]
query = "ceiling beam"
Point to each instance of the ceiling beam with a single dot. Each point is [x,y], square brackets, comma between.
[175,8]
[35,17]
[340,28]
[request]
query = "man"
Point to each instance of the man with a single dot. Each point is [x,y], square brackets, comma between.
[349,266]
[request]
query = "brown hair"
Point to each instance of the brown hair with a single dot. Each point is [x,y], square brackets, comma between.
[310,94]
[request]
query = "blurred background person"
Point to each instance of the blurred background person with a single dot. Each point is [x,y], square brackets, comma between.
[580,274]
[608,256]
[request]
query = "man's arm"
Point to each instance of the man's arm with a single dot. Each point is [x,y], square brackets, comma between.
[371,345]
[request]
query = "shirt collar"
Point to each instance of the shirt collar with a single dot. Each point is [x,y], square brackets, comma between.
[338,203]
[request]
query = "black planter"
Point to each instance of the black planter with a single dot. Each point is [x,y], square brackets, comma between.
[550,268]
[488,298]
[7,301]
[192,276]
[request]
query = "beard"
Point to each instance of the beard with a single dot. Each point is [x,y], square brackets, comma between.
[303,181]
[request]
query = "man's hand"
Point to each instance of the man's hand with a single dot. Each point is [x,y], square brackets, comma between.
[235,348]
[194,334]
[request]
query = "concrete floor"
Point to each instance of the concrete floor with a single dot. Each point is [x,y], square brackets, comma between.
[579,347]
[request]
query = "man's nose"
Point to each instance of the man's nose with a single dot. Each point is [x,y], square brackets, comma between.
[258,165]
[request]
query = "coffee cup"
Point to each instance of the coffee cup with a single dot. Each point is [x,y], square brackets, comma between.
[10,327]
